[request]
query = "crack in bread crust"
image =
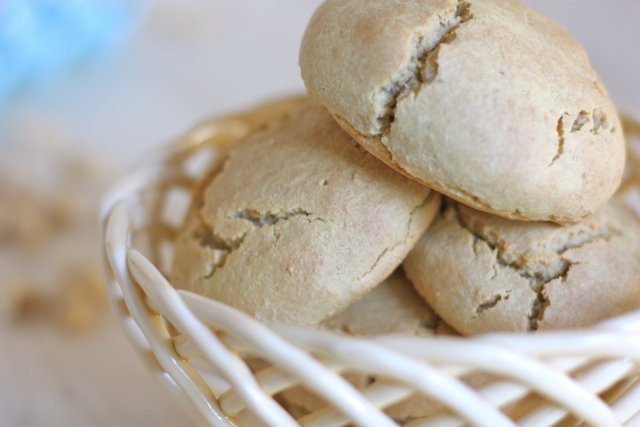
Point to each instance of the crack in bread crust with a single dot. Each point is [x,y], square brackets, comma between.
[422,68]
[407,235]
[537,274]
[221,248]
[560,132]
[258,219]
[490,303]
[597,116]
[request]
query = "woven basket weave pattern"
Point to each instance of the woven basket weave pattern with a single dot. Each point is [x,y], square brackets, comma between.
[199,348]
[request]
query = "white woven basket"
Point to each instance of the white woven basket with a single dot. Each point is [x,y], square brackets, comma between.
[198,347]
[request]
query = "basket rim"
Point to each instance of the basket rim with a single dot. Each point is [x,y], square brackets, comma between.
[122,201]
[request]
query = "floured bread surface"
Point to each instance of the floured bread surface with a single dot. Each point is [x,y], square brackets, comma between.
[486,101]
[484,273]
[393,307]
[299,222]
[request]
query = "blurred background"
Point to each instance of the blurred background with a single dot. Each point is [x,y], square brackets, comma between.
[87,87]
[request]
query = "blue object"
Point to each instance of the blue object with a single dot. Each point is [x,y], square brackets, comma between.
[42,38]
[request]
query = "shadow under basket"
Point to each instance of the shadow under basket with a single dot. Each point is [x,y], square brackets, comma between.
[230,369]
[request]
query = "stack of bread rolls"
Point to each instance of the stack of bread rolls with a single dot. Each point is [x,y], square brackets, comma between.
[453,169]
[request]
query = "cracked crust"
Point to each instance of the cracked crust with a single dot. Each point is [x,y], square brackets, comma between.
[484,273]
[393,307]
[486,101]
[299,222]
